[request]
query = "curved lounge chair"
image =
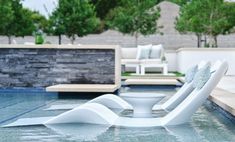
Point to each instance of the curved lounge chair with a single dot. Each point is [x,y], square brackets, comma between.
[115,102]
[181,114]
[95,113]
[180,95]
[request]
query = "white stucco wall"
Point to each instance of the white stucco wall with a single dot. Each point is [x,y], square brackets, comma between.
[180,60]
[171,57]
[187,57]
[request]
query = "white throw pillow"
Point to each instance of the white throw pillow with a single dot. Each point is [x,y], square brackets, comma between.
[191,73]
[156,52]
[201,77]
[143,51]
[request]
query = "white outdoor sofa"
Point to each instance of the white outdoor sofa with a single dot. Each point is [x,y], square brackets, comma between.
[129,60]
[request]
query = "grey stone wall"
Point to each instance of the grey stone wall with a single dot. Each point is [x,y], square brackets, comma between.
[45,67]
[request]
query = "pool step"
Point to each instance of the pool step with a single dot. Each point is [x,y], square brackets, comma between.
[82,88]
[151,82]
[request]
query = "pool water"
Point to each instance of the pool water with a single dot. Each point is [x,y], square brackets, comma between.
[207,124]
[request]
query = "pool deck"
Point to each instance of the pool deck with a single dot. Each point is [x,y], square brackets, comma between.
[224,94]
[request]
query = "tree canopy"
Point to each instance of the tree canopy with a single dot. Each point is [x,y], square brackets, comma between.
[15,20]
[208,17]
[103,7]
[78,17]
[6,15]
[180,2]
[135,17]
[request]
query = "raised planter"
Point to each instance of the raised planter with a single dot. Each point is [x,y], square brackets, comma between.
[46,65]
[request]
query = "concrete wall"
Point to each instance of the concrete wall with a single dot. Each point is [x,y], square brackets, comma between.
[171,57]
[180,60]
[41,67]
[188,57]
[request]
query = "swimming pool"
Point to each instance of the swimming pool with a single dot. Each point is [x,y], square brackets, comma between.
[207,125]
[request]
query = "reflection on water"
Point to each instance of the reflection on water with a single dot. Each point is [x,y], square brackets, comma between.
[207,125]
[82,132]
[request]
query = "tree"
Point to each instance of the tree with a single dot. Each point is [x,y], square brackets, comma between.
[180,2]
[209,17]
[6,15]
[135,17]
[40,22]
[14,17]
[189,20]
[78,17]
[103,7]
[56,25]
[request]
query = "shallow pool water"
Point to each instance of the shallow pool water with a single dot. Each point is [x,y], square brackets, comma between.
[207,124]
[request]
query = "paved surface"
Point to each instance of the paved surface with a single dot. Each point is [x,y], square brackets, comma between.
[228,83]
[224,94]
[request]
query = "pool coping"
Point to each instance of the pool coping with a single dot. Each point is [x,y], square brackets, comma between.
[224,99]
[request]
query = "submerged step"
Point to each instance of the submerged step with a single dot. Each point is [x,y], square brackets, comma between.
[151,82]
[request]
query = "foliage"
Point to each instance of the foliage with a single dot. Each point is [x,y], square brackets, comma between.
[135,17]
[103,7]
[15,20]
[78,17]
[209,17]
[56,25]
[40,22]
[180,2]
[6,15]
[126,74]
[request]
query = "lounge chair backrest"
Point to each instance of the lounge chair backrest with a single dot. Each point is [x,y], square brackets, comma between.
[183,112]
[201,77]
[183,92]
[203,64]
[191,73]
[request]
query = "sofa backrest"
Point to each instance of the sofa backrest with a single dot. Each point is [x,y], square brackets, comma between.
[128,53]
[131,52]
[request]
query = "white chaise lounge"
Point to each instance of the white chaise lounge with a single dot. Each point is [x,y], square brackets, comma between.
[115,102]
[94,113]
[99,114]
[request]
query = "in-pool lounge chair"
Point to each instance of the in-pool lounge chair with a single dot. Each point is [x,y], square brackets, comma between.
[204,83]
[115,102]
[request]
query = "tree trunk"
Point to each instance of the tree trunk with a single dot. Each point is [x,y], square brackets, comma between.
[9,39]
[216,43]
[199,39]
[212,41]
[72,38]
[136,39]
[205,41]
[59,38]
